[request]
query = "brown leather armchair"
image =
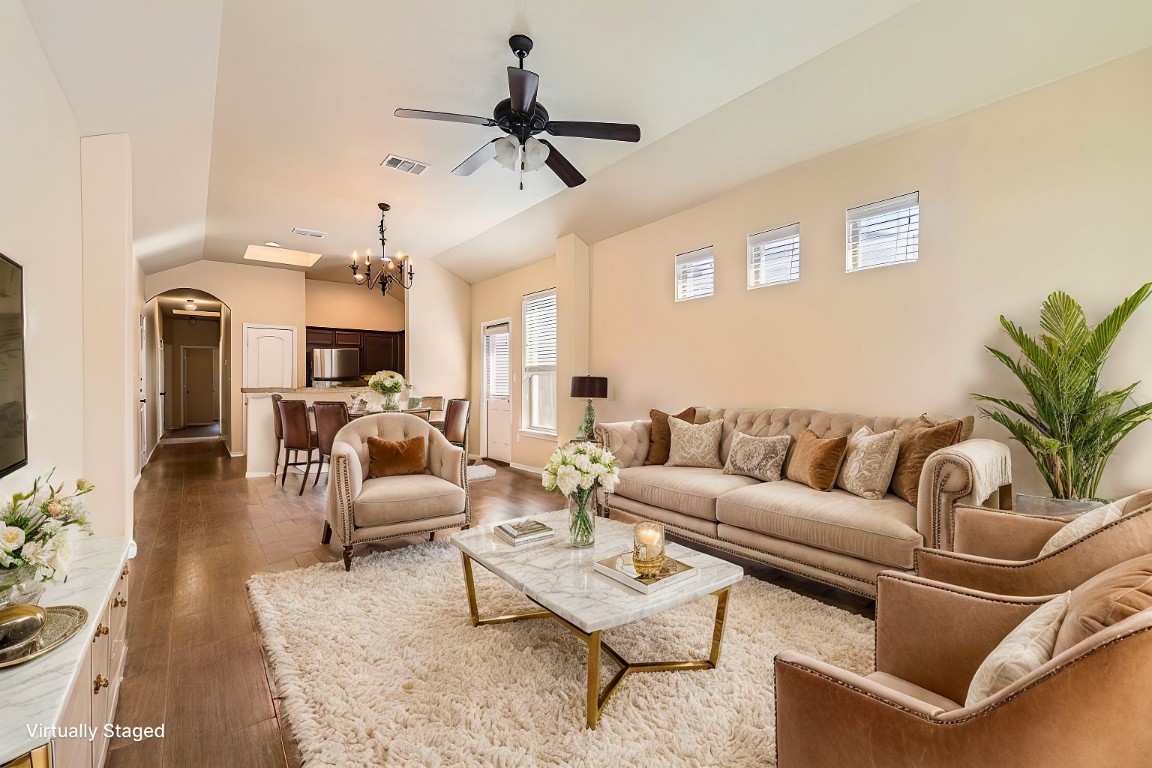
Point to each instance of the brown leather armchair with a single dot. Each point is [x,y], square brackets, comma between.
[998,551]
[363,509]
[1088,706]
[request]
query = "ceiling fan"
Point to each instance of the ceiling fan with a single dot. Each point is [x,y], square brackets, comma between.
[522,118]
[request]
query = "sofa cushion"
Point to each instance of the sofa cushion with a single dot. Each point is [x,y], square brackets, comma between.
[916,445]
[689,490]
[1106,599]
[1024,650]
[695,445]
[815,461]
[758,457]
[869,463]
[660,435]
[388,500]
[881,531]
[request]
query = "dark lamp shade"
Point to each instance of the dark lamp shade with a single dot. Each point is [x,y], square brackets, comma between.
[589,386]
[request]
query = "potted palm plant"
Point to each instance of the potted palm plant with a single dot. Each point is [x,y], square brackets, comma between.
[1071,426]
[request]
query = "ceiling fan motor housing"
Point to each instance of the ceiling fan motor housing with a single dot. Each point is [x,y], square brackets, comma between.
[523,126]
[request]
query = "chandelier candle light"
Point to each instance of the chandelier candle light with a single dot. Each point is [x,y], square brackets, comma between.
[577,470]
[398,270]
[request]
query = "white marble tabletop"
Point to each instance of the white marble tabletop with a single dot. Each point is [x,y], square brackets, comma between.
[563,580]
[35,693]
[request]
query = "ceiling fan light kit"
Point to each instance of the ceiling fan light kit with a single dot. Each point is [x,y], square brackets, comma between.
[522,118]
[396,271]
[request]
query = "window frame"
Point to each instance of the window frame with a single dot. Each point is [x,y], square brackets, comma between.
[684,260]
[765,238]
[875,210]
[531,374]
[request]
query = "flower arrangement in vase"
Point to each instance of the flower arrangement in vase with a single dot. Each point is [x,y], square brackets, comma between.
[34,531]
[389,384]
[576,470]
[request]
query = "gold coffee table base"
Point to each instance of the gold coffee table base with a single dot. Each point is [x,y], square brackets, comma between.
[597,698]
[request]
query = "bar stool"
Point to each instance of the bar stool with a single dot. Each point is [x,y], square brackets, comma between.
[298,436]
[331,416]
[278,428]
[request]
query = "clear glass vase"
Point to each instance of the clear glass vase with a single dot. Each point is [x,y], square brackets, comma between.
[19,585]
[582,518]
[391,401]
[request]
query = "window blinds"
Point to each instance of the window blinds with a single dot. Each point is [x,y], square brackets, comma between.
[496,357]
[883,233]
[774,256]
[695,274]
[540,332]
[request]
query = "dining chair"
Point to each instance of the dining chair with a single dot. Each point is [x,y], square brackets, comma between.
[331,416]
[278,429]
[298,436]
[455,425]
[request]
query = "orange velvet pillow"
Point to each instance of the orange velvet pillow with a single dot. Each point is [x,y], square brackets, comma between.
[389,458]
[815,461]
[918,443]
[1106,599]
[660,439]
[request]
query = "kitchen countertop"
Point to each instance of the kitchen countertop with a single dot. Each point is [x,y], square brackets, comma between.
[303,390]
[36,693]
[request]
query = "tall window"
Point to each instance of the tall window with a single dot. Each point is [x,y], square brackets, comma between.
[695,274]
[774,256]
[539,411]
[496,361]
[884,233]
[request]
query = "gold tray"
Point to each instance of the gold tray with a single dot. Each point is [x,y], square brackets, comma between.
[62,623]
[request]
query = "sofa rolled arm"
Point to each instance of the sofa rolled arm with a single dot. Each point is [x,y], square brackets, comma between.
[628,440]
[971,472]
[345,478]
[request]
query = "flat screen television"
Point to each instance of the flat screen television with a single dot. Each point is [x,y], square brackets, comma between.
[13,414]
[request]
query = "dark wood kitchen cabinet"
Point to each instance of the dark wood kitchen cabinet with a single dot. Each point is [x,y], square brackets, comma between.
[379,350]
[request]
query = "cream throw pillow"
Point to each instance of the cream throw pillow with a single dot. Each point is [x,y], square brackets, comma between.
[695,445]
[1082,526]
[1024,650]
[758,457]
[869,463]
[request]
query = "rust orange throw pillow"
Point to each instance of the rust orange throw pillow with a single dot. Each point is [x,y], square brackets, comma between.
[815,461]
[661,437]
[920,441]
[388,458]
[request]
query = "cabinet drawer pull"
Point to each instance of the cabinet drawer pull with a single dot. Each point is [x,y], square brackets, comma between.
[124,572]
[100,682]
[100,630]
[119,602]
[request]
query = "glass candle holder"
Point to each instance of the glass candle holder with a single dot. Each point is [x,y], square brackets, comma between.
[648,548]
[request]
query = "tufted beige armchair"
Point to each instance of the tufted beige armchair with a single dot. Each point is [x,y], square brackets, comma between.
[362,509]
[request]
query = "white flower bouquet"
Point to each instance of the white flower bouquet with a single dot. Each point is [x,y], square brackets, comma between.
[577,470]
[389,384]
[34,529]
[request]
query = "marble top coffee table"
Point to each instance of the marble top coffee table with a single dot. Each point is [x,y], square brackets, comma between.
[562,581]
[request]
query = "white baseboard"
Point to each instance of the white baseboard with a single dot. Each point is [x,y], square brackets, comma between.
[526,468]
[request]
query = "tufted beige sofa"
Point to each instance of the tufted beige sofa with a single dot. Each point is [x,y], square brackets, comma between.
[835,537]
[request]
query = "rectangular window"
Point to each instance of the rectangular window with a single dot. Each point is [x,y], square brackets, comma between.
[774,256]
[884,233]
[496,361]
[695,272]
[539,411]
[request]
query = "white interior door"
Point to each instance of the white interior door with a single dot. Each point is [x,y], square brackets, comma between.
[497,393]
[269,357]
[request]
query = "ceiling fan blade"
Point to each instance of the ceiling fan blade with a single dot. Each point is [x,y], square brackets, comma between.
[561,167]
[522,87]
[449,117]
[610,131]
[476,159]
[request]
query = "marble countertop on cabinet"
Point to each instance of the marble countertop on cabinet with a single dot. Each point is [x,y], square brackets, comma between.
[305,390]
[35,693]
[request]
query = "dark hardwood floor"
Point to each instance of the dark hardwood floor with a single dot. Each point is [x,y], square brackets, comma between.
[194,658]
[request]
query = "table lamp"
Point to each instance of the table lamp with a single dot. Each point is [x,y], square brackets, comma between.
[589,387]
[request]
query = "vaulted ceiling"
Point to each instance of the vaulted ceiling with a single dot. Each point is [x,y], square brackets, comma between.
[250,117]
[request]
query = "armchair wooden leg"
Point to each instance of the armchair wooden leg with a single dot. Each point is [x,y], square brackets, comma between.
[431,535]
[347,558]
[326,536]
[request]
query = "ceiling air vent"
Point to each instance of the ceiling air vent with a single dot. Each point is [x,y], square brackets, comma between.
[308,232]
[414,167]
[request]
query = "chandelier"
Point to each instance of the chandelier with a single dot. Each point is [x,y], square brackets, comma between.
[398,270]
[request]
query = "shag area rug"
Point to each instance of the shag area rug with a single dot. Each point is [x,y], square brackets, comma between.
[381,666]
[478,473]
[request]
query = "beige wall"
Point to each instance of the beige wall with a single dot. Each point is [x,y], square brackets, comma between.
[498,299]
[436,341]
[40,230]
[346,305]
[254,295]
[1047,190]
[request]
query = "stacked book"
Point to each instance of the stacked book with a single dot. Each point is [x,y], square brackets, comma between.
[619,568]
[523,532]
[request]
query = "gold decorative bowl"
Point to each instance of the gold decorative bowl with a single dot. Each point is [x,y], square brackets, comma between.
[20,624]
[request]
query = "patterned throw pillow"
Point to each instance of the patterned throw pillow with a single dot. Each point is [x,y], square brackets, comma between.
[1025,649]
[758,457]
[695,445]
[869,462]
[1082,526]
